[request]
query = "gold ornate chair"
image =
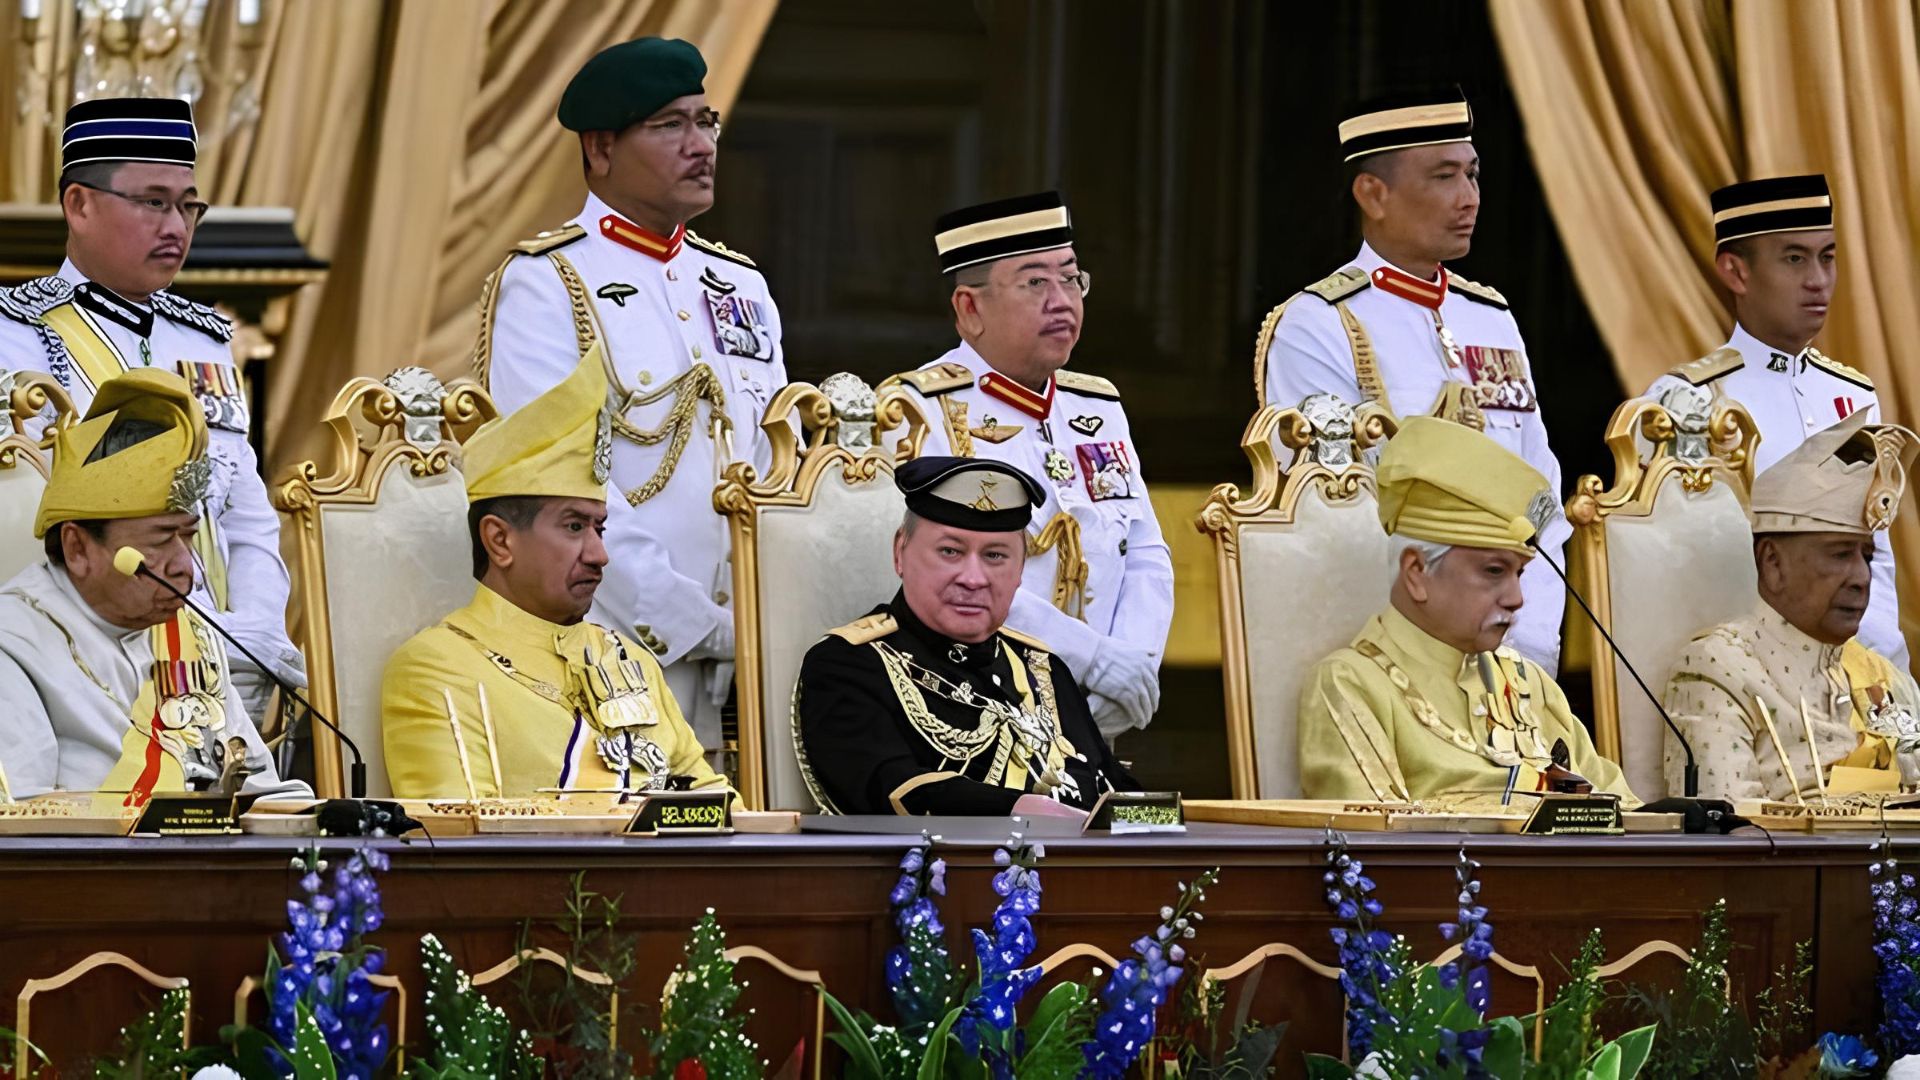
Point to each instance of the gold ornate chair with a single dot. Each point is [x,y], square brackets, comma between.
[1253,965]
[821,524]
[23,1009]
[388,511]
[26,398]
[547,956]
[1303,565]
[1663,553]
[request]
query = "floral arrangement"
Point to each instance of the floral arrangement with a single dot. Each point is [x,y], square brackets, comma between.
[468,1037]
[942,1030]
[1896,944]
[700,1035]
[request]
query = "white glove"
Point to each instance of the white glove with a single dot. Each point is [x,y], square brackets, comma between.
[717,645]
[1111,720]
[1129,678]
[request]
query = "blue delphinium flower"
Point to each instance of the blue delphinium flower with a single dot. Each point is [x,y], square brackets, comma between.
[1474,934]
[1366,953]
[1141,984]
[919,971]
[328,967]
[1845,1056]
[987,1018]
[1896,943]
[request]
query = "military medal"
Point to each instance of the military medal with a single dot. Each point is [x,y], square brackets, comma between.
[1059,469]
[739,322]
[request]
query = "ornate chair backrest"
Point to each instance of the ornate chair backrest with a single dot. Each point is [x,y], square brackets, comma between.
[23,1046]
[1661,555]
[821,525]
[1303,565]
[33,408]
[806,978]
[381,546]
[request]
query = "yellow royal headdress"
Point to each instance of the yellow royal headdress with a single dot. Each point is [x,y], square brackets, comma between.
[164,473]
[559,444]
[1448,484]
[1846,479]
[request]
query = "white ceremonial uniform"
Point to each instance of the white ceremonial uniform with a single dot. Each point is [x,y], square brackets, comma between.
[677,317]
[1349,337]
[68,679]
[1083,454]
[190,339]
[1790,398]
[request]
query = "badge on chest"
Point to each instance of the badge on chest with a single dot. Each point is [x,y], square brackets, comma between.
[739,322]
[1499,378]
[217,387]
[1107,469]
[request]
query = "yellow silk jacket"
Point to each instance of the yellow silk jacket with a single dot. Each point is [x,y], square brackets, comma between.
[1401,715]
[544,732]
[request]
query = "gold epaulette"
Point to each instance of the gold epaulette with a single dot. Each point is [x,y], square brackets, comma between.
[865,629]
[1473,290]
[1339,285]
[1719,362]
[1839,370]
[1028,640]
[715,247]
[1086,385]
[550,240]
[930,381]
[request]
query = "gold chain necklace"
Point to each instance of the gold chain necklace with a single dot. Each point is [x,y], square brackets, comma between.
[73,649]
[545,689]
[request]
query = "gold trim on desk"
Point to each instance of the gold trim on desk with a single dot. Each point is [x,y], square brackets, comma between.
[1723,454]
[1275,498]
[368,424]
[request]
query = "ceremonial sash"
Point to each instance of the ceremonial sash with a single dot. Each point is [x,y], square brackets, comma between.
[1870,766]
[95,360]
[180,671]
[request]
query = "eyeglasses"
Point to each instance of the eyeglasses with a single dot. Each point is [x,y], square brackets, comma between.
[190,210]
[706,123]
[1035,288]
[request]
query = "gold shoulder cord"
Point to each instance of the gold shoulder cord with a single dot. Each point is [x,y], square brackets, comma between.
[72,648]
[1423,709]
[546,690]
[1366,368]
[688,389]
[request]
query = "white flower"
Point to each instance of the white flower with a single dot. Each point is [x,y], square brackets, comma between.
[216,1072]
[1371,1068]
[1907,1068]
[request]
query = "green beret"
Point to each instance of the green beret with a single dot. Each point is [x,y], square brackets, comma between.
[626,83]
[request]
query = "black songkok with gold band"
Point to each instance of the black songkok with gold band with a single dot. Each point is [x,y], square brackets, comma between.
[975,494]
[1402,121]
[1776,204]
[996,230]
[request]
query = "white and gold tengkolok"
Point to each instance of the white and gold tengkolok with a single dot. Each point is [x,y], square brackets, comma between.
[1773,712]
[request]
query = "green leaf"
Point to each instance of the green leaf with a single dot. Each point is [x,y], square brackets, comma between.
[1506,1052]
[1322,1067]
[1606,1063]
[1059,1002]
[1060,1024]
[863,1060]
[933,1066]
[1635,1046]
[310,1057]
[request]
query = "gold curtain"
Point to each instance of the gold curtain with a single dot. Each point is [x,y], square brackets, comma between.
[415,140]
[1637,109]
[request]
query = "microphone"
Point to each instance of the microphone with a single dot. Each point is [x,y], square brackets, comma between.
[1690,774]
[133,564]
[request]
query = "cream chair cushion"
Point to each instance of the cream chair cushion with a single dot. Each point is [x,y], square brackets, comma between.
[20,488]
[1671,574]
[1306,589]
[394,567]
[820,566]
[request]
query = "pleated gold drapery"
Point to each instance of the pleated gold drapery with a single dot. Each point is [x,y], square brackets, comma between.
[416,142]
[1637,109]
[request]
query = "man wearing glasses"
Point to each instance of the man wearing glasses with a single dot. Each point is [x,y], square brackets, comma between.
[691,341]
[127,192]
[1019,297]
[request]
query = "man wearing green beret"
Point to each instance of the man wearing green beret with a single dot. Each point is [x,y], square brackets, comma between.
[1427,703]
[691,341]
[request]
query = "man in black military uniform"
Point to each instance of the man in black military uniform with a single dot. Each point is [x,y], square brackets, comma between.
[929,705]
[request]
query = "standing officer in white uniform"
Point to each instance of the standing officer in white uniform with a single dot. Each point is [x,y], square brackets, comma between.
[692,345]
[1774,251]
[1018,301]
[127,191]
[1394,326]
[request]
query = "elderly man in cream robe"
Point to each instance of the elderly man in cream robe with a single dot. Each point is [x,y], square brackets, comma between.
[1786,703]
[1428,703]
[107,682]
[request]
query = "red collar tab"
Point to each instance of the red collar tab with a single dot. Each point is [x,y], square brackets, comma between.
[1038,406]
[1427,294]
[627,234]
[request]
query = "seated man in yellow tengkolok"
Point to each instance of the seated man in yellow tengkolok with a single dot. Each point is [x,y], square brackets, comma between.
[517,692]
[1786,702]
[1427,703]
[107,681]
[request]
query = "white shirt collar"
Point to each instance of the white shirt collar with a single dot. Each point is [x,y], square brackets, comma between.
[63,584]
[1371,260]
[1754,351]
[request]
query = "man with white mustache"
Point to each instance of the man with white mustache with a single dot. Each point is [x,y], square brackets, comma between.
[1427,703]
[691,344]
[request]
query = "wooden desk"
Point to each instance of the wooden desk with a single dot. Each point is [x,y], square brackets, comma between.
[206,909]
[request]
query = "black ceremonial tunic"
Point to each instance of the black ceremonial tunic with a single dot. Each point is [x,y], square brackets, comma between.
[875,739]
